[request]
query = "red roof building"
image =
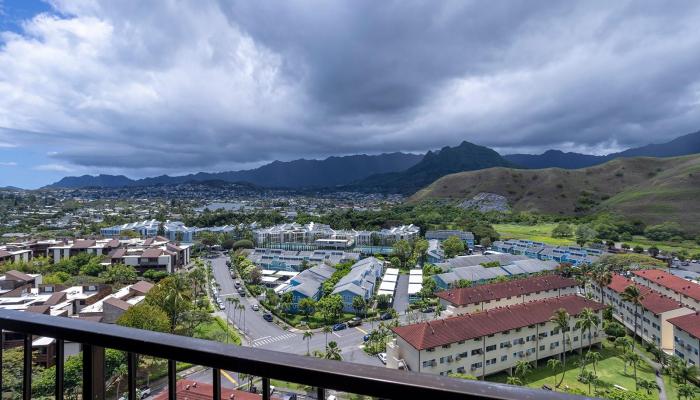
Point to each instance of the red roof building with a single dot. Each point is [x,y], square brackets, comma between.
[470,326]
[652,300]
[670,282]
[689,323]
[514,288]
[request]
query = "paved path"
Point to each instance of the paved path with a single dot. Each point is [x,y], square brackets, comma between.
[659,376]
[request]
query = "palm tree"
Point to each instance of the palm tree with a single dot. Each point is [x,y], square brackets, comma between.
[358,304]
[333,351]
[119,374]
[514,380]
[633,295]
[554,365]
[587,319]
[593,357]
[241,309]
[326,330]
[634,358]
[648,385]
[561,319]
[623,342]
[177,293]
[602,278]
[687,391]
[307,336]
[522,368]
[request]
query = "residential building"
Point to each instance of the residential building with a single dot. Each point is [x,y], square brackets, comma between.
[538,250]
[112,306]
[485,297]
[146,228]
[652,315]
[490,341]
[473,268]
[415,284]
[441,235]
[686,337]
[681,290]
[435,254]
[308,283]
[387,237]
[12,254]
[294,260]
[359,282]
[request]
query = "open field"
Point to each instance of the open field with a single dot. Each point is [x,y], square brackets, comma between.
[610,370]
[542,233]
[217,330]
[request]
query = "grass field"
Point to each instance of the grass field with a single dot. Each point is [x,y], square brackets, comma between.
[217,330]
[542,233]
[610,370]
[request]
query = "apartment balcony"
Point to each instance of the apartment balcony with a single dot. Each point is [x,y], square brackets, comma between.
[321,374]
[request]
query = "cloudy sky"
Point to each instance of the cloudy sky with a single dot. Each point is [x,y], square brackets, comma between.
[145,88]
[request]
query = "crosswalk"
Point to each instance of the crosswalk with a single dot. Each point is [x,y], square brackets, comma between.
[271,339]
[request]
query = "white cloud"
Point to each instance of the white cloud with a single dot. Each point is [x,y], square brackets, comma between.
[8,164]
[53,168]
[177,86]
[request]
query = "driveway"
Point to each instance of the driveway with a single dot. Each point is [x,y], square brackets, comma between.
[401,294]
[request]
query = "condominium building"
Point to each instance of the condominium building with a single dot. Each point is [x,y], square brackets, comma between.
[442,235]
[561,254]
[686,337]
[490,341]
[359,282]
[292,260]
[485,297]
[292,233]
[653,314]
[387,237]
[11,254]
[681,290]
[146,228]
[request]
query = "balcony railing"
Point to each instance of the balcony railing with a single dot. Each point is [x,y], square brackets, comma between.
[322,374]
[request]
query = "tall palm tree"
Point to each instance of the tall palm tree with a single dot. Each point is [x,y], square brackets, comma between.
[562,320]
[307,336]
[333,351]
[178,292]
[593,357]
[633,295]
[554,365]
[241,309]
[326,330]
[634,359]
[602,278]
[586,321]
[120,374]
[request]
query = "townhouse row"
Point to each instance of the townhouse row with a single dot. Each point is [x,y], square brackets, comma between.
[562,254]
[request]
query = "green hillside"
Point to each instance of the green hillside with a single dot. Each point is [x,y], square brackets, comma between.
[654,190]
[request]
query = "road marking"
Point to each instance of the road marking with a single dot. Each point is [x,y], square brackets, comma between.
[361,330]
[269,339]
[227,376]
[336,334]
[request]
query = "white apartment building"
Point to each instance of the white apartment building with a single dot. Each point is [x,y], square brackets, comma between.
[485,297]
[682,290]
[686,337]
[652,316]
[387,237]
[491,341]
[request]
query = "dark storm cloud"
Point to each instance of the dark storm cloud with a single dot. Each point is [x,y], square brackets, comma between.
[203,86]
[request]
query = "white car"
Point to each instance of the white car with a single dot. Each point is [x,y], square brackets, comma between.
[382,357]
[255,307]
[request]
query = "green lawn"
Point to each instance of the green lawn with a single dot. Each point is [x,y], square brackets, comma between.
[539,233]
[315,320]
[542,233]
[610,369]
[217,330]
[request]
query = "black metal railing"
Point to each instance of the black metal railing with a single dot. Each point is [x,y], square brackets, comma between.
[319,373]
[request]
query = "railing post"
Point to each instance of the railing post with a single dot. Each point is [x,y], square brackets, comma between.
[93,372]
[320,393]
[27,370]
[2,349]
[216,383]
[60,356]
[265,388]
[172,380]
[131,378]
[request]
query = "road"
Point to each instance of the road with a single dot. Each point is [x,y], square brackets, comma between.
[401,294]
[262,334]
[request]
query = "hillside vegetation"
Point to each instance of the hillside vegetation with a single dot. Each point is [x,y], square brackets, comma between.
[653,190]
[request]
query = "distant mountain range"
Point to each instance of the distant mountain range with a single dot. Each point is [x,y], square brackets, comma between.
[391,172]
[330,172]
[465,157]
[681,146]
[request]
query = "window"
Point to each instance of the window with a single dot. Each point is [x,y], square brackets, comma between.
[491,347]
[542,348]
[504,358]
[477,351]
[446,346]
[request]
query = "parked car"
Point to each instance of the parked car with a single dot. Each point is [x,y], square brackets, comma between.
[339,327]
[385,316]
[382,357]
[222,306]
[145,392]
[267,317]
[365,338]
[255,307]
[428,309]
[237,284]
[356,321]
